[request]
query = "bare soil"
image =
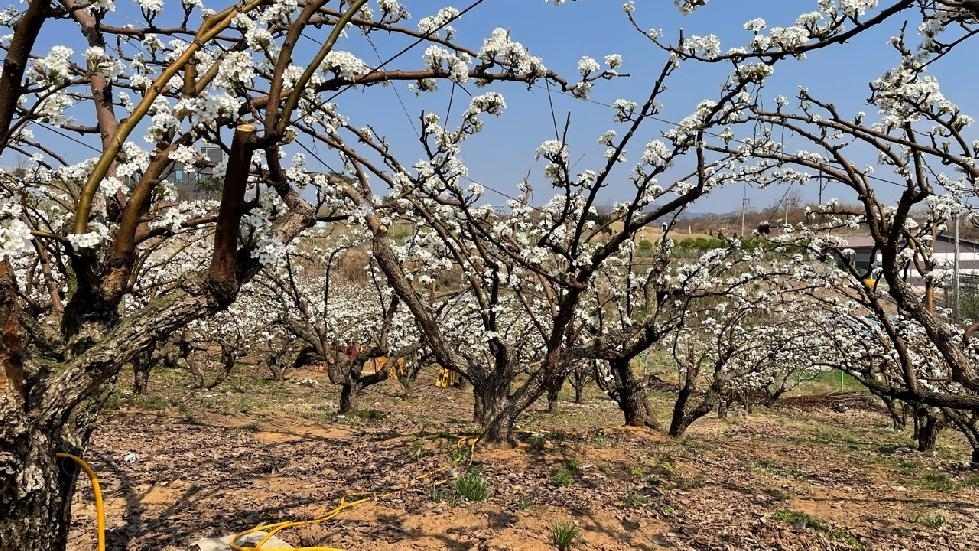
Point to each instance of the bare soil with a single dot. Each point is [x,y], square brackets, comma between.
[180,464]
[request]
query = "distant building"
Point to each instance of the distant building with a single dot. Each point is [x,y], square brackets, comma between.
[199,182]
[944,253]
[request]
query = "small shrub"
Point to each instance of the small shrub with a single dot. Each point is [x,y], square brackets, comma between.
[562,477]
[563,535]
[798,519]
[778,494]
[435,494]
[536,443]
[933,521]
[939,482]
[845,537]
[461,455]
[634,499]
[665,468]
[608,469]
[572,464]
[370,414]
[525,502]
[472,486]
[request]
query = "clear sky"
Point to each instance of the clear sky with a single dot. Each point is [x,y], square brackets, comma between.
[561,35]
[504,153]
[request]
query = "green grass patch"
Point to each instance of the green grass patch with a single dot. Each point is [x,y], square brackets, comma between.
[525,502]
[563,477]
[798,519]
[472,486]
[936,481]
[772,467]
[908,467]
[635,500]
[778,494]
[563,535]
[370,415]
[932,521]
[826,382]
[845,537]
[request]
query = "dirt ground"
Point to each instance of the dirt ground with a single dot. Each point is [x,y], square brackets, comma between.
[179,464]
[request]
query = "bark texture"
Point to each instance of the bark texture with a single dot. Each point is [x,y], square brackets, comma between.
[629,393]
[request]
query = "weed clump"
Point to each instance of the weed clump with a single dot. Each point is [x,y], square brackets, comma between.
[472,486]
[563,535]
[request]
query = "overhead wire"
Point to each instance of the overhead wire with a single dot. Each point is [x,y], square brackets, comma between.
[709,133]
[414,43]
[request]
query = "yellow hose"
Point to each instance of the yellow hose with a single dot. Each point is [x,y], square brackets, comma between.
[271,529]
[97,490]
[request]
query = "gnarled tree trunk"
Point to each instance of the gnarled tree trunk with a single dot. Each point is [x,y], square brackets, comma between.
[684,412]
[41,407]
[494,409]
[927,427]
[35,495]
[142,365]
[553,393]
[629,393]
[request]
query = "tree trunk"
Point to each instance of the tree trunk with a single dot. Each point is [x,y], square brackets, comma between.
[928,431]
[631,396]
[578,393]
[35,506]
[141,378]
[684,416]
[898,413]
[492,409]
[723,407]
[142,364]
[553,393]
[349,392]
[680,420]
[35,503]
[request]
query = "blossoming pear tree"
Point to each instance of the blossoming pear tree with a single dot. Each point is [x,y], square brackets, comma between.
[86,280]
[908,166]
[336,304]
[541,258]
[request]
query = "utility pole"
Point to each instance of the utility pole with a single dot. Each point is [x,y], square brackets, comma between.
[744,207]
[788,201]
[956,268]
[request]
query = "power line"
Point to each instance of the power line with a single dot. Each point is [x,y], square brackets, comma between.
[408,48]
[404,108]
[709,133]
[50,128]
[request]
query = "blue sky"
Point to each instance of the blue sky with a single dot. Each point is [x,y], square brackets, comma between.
[504,153]
[561,35]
